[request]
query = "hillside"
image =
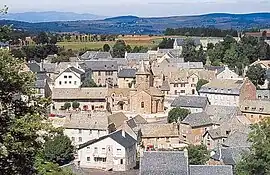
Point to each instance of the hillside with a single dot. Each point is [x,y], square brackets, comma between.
[137,25]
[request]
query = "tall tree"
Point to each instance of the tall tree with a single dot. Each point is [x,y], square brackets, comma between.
[200,83]
[198,154]
[106,48]
[176,114]
[257,161]
[42,38]
[256,74]
[119,49]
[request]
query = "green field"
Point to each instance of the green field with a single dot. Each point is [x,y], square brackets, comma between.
[150,43]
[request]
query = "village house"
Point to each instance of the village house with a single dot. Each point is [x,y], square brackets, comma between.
[95,55]
[89,99]
[126,78]
[71,77]
[263,94]
[224,72]
[176,163]
[160,136]
[164,56]
[82,127]
[116,152]
[255,110]
[194,104]
[103,72]
[180,42]
[42,85]
[227,92]
[134,59]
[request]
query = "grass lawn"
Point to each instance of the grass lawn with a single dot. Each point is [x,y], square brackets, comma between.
[149,42]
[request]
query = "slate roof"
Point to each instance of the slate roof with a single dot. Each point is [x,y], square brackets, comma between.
[217,133]
[165,86]
[4,44]
[164,163]
[137,56]
[182,41]
[40,84]
[79,93]
[117,136]
[139,120]
[190,65]
[210,170]
[159,130]
[117,118]
[223,86]
[263,93]
[95,55]
[101,65]
[198,120]
[94,121]
[34,67]
[190,102]
[127,73]
[229,156]
[73,69]
[219,69]
[237,139]
[255,106]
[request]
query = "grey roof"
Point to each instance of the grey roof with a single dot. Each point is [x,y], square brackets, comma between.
[219,69]
[210,170]
[182,41]
[34,67]
[117,119]
[40,84]
[190,101]
[95,121]
[126,141]
[101,65]
[79,93]
[127,73]
[175,53]
[137,56]
[120,61]
[223,86]
[165,86]
[95,55]
[217,133]
[263,93]
[190,65]
[229,156]
[164,163]
[49,67]
[237,139]
[139,120]
[198,119]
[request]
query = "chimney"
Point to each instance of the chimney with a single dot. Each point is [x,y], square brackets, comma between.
[41,66]
[126,54]
[123,133]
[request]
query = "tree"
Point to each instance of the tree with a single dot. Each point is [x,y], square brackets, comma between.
[198,154]
[256,161]
[177,114]
[67,105]
[42,38]
[59,150]
[200,83]
[166,43]
[256,74]
[89,83]
[128,49]
[53,39]
[106,48]
[75,105]
[119,49]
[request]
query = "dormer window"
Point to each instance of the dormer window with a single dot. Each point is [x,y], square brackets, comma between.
[246,108]
[261,109]
[229,90]
[253,108]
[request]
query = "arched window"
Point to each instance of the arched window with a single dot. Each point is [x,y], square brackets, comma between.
[142,104]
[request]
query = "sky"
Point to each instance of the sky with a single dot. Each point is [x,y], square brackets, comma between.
[141,8]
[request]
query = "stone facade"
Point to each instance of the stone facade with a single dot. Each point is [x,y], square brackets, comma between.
[102,78]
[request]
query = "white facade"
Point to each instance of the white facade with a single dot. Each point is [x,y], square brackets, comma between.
[221,99]
[79,136]
[185,88]
[228,74]
[108,154]
[68,80]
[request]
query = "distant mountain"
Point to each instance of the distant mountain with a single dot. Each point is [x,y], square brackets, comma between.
[50,16]
[138,25]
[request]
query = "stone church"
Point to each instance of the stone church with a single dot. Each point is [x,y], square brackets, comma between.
[141,99]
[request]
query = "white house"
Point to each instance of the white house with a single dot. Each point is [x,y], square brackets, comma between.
[82,127]
[70,78]
[226,73]
[116,152]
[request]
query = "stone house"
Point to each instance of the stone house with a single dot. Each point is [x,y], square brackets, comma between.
[255,110]
[95,55]
[134,59]
[70,78]
[263,94]
[116,152]
[224,72]
[160,136]
[82,127]
[90,99]
[126,78]
[194,104]
[104,72]
[42,85]
[227,92]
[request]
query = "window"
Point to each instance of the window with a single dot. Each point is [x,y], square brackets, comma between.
[65,76]
[99,159]
[193,79]
[266,97]
[65,82]
[167,139]
[121,161]
[259,97]
[193,91]
[99,73]
[183,85]
[72,139]
[175,92]
[75,82]
[80,139]
[70,76]
[69,82]
[261,109]
[182,91]
[246,108]
[142,104]
[60,82]
[88,159]
[103,150]
[229,90]
[90,132]
[80,131]
[253,109]
[88,147]
[193,85]
[175,85]
[251,116]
